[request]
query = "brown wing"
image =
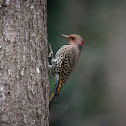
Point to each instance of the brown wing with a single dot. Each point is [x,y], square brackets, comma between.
[67,65]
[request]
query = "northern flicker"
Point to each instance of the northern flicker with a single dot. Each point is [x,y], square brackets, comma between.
[64,62]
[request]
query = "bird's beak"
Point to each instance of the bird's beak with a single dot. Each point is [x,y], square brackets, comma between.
[65,36]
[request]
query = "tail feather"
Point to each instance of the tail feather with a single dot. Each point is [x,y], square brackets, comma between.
[51,97]
[53,94]
[58,89]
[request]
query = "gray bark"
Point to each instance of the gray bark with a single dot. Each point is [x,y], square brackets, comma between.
[24,85]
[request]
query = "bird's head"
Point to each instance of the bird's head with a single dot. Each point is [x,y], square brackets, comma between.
[73,39]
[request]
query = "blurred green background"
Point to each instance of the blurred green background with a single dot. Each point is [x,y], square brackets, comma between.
[91,95]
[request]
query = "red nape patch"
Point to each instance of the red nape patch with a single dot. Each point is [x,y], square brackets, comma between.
[82,42]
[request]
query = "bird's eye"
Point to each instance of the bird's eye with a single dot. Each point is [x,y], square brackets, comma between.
[72,38]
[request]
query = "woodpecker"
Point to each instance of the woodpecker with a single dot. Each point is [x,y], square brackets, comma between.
[64,62]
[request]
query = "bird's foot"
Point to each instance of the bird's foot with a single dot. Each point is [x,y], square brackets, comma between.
[54,61]
[51,51]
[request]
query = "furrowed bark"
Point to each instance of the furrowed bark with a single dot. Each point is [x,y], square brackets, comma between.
[24,84]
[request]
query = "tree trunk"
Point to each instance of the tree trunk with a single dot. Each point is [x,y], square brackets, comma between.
[24,85]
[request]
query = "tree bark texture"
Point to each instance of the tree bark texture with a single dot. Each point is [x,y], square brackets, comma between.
[24,85]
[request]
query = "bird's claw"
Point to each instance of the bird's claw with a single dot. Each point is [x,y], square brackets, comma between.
[51,52]
[54,62]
